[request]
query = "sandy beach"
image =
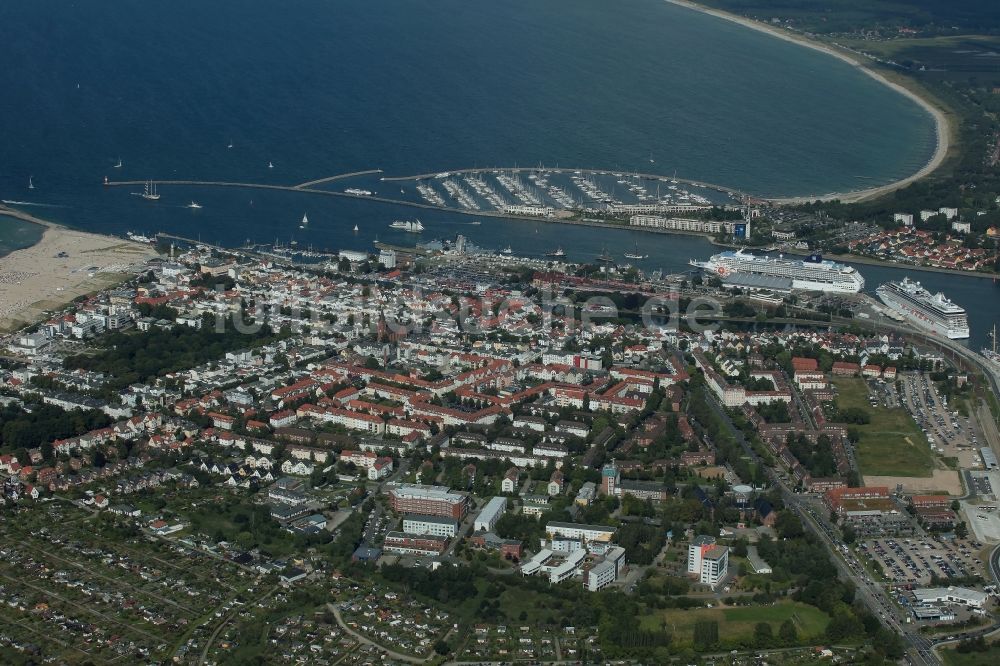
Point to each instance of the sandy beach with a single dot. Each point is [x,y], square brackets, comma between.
[942,127]
[37,278]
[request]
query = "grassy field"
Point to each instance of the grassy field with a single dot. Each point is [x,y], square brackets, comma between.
[989,658]
[940,56]
[892,444]
[537,608]
[736,624]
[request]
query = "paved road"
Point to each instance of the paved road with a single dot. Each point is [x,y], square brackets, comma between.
[873,596]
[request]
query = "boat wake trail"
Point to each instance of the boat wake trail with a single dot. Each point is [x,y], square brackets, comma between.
[30,203]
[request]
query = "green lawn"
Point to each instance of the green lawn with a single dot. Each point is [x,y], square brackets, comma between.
[892,444]
[738,623]
[537,608]
[989,658]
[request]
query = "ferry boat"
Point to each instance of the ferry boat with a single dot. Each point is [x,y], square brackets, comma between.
[149,192]
[933,312]
[358,193]
[810,274]
[139,238]
[557,253]
[412,227]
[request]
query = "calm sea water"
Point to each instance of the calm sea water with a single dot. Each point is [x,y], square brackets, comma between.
[320,88]
[16,234]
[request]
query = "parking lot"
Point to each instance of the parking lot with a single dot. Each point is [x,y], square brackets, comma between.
[980,484]
[947,432]
[983,518]
[914,561]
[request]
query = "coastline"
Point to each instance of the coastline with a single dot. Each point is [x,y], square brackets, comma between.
[942,125]
[63,265]
[867,261]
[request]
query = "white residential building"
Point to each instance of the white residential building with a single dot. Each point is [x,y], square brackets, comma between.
[696,549]
[714,566]
[605,571]
[435,525]
[488,517]
[380,469]
[580,531]
[568,567]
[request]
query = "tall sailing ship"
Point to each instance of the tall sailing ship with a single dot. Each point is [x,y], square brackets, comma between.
[149,191]
[992,354]
[811,274]
[412,227]
[932,312]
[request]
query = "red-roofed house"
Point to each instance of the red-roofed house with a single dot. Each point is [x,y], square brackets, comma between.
[801,364]
[223,421]
[282,419]
[843,368]
[380,469]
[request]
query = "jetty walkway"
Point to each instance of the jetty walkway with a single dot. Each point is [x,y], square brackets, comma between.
[330,179]
[312,187]
[298,188]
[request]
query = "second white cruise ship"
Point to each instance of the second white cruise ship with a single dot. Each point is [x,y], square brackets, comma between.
[933,312]
[812,274]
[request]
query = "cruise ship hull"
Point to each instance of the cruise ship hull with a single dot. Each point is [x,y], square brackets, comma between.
[829,287]
[919,316]
[822,276]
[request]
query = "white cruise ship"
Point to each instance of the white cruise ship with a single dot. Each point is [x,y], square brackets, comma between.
[811,274]
[933,312]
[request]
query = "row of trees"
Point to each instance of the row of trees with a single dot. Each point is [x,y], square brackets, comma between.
[135,357]
[22,429]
